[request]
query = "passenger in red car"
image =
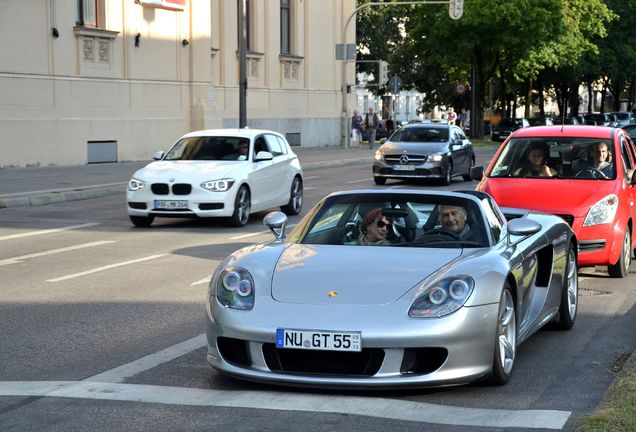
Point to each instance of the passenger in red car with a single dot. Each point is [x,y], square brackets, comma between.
[536,163]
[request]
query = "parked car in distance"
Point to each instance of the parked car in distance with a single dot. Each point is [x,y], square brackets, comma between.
[567,120]
[598,119]
[538,121]
[506,126]
[596,199]
[631,130]
[423,150]
[624,118]
[218,173]
[427,307]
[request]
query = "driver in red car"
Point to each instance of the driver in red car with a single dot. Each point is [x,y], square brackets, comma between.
[600,159]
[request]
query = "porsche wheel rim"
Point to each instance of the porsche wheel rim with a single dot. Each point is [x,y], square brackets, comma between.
[507,332]
[573,285]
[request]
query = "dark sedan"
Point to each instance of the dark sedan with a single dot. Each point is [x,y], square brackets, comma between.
[507,126]
[418,151]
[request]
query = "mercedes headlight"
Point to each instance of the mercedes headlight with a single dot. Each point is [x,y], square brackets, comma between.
[234,288]
[442,297]
[436,157]
[602,212]
[218,185]
[135,185]
[378,155]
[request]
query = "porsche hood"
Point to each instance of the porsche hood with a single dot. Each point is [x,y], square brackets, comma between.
[356,275]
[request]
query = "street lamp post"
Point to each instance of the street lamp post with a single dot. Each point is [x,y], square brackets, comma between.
[242,7]
[346,118]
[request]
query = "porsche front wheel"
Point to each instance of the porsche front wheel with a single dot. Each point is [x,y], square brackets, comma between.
[505,340]
[569,294]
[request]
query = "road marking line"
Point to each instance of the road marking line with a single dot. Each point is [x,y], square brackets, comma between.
[242,236]
[358,181]
[108,267]
[14,260]
[120,373]
[311,178]
[309,188]
[48,231]
[282,401]
[202,281]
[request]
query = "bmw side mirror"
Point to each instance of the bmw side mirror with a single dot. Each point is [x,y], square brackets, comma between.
[477,173]
[263,156]
[276,221]
[158,155]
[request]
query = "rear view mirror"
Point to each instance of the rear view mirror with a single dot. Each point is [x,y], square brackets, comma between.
[158,155]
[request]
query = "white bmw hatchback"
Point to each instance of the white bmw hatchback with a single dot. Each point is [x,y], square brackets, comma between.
[218,173]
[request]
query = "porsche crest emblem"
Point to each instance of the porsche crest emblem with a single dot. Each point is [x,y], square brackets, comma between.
[332,294]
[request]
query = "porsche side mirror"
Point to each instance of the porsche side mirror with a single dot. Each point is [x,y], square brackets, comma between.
[522,227]
[158,155]
[263,156]
[276,221]
[477,173]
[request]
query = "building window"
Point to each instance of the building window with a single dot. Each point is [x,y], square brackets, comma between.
[285,27]
[247,24]
[91,13]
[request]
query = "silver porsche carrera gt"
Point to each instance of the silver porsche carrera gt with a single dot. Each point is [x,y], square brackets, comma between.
[428,305]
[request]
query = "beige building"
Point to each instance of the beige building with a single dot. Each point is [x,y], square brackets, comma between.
[85,81]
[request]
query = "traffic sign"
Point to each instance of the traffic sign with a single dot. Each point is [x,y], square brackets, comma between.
[395,84]
[456,9]
[460,88]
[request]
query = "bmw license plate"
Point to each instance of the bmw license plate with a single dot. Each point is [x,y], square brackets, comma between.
[170,205]
[318,340]
[404,167]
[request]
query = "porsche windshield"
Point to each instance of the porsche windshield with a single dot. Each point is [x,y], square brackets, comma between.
[549,158]
[209,148]
[397,220]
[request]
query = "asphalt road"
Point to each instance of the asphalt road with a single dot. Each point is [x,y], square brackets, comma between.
[102,323]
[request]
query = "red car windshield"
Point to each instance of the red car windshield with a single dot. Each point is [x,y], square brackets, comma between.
[550,158]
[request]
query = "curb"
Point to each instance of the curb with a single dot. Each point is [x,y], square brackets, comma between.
[40,198]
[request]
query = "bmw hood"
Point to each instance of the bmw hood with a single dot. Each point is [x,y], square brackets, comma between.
[353,275]
[187,170]
[573,197]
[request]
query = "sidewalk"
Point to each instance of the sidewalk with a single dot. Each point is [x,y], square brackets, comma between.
[23,187]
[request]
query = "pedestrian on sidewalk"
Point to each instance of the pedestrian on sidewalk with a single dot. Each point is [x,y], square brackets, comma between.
[371,123]
[356,129]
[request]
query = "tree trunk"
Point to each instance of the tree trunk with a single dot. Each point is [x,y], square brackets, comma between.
[603,94]
[526,111]
[590,96]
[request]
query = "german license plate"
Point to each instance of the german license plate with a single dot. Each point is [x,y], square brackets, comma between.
[318,340]
[170,205]
[404,167]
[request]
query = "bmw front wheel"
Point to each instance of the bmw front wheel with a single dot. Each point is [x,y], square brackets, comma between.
[142,221]
[242,206]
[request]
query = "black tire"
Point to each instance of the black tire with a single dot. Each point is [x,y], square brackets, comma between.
[379,180]
[295,204]
[505,339]
[448,174]
[621,268]
[466,177]
[569,293]
[142,221]
[242,206]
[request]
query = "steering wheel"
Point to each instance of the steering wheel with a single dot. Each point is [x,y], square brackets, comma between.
[442,233]
[590,172]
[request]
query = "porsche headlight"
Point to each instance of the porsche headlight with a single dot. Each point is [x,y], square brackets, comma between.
[378,155]
[218,185]
[135,185]
[602,212]
[436,157]
[442,297]
[235,288]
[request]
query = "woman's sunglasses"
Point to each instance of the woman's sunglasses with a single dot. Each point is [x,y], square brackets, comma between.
[382,224]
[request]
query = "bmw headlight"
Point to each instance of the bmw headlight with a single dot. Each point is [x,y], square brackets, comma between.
[218,185]
[135,185]
[436,157]
[602,212]
[235,288]
[442,297]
